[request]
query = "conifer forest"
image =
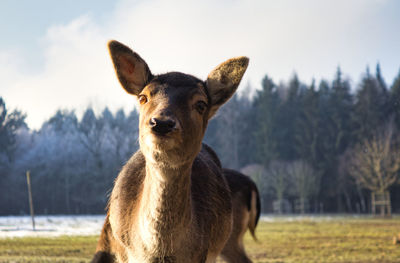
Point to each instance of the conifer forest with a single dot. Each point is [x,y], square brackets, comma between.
[324,147]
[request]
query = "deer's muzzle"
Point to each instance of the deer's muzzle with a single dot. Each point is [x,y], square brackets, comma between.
[162,126]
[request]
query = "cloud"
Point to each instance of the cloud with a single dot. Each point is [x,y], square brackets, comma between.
[77,72]
[310,37]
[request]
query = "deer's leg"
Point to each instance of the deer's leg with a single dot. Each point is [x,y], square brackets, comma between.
[103,250]
[235,254]
[103,257]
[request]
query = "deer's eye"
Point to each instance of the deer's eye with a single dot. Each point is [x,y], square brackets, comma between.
[201,106]
[142,99]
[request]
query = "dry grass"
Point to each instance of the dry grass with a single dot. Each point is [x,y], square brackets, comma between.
[346,240]
[339,240]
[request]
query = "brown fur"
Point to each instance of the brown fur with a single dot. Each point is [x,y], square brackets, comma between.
[171,202]
[246,212]
[396,239]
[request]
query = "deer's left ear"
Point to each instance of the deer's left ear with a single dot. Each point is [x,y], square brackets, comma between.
[223,81]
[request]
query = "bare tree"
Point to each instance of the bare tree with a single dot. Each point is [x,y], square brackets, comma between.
[306,182]
[346,183]
[277,178]
[375,163]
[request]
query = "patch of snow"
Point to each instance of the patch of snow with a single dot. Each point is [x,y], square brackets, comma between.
[311,217]
[21,226]
[84,225]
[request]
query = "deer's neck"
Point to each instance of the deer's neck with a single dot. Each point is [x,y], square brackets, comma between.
[165,206]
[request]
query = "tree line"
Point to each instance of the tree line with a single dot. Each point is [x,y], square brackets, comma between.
[317,147]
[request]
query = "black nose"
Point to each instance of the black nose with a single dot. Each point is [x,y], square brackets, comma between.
[162,126]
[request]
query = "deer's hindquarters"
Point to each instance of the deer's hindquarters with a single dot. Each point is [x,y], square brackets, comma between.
[246,212]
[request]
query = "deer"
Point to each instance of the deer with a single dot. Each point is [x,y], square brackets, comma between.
[246,209]
[172,201]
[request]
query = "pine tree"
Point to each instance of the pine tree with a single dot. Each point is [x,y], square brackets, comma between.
[395,100]
[288,116]
[340,133]
[384,90]
[10,122]
[370,107]
[307,126]
[341,102]
[264,120]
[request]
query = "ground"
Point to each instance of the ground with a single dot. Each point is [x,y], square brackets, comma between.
[324,239]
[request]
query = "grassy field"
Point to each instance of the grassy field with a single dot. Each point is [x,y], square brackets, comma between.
[338,240]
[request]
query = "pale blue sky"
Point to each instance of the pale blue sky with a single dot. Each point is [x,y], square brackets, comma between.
[53,53]
[25,22]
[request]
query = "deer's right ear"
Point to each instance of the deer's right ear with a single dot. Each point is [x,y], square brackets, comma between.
[132,71]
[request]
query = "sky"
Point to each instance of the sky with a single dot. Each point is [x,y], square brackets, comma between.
[53,54]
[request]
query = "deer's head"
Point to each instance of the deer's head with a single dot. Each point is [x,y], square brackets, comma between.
[174,107]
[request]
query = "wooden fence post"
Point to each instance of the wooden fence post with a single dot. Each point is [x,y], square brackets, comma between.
[28,180]
[381,201]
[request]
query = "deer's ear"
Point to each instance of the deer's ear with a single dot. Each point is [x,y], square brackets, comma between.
[223,81]
[132,71]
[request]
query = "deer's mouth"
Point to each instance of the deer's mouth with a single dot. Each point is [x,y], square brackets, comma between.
[162,134]
[162,141]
